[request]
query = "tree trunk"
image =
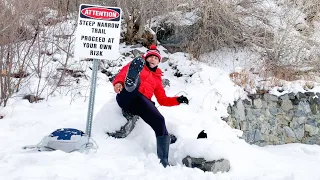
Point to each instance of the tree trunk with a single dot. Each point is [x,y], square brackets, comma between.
[130,31]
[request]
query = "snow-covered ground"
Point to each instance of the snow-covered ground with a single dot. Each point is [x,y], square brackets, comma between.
[209,90]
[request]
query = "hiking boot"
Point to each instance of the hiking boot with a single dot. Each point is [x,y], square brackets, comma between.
[163,143]
[132,78]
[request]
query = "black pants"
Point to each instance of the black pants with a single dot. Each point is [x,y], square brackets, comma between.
[136,103]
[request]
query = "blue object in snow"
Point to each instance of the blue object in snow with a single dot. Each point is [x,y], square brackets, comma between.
[66,133]
[67,140]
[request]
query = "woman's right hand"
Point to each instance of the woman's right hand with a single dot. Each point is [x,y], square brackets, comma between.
[118,88]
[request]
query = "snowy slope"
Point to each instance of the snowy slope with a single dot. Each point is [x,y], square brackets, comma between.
[134,157]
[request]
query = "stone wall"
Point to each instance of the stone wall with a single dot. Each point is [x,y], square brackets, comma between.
[267,119]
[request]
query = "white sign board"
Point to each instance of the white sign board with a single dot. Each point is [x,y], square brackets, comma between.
[98,32]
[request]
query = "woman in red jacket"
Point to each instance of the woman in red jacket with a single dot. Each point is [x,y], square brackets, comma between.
[135,84]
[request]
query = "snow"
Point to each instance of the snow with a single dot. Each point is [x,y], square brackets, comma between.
[229,60]
[210,91]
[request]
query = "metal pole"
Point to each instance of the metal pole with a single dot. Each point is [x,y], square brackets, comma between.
[92,95]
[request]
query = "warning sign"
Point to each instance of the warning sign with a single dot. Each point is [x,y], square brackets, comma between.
[98,32]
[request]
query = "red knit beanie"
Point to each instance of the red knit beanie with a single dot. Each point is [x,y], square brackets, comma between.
[153,51]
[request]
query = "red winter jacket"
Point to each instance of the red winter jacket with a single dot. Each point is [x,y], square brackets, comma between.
[150,83]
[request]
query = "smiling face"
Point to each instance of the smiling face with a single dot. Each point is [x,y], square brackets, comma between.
[153,61]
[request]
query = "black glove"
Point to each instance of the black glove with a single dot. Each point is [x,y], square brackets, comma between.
[182,99]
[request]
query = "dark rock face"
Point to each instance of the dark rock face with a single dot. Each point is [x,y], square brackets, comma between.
[174,37]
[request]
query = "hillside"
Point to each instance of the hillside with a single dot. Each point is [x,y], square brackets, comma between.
[43,65]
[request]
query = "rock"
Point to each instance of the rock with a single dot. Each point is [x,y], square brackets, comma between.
[274,140]
[299,113]
[312,130]
[239,111]
[289,132]
[73,73]
[317,100]
[202,135]
[111,78]
[136,46]
[273,111]
[229,110]
[237,124]
[272,120]
[299,132]
[299,120]
[32,98]
[185,7]
[173,138]
[265,128]
[314,105]
[270,97]
[127,54]
[257,136]
[291,96]
[295,101]
[247,103]
[126,129]
[252,114]
[304,106]
[165,82]
[164,59]
[282,119]
[107,73]
[280,131]
[193,162]
[312,122]
[314,109]
[312,140]
[165,32]
[301,27]
[166,51]
[273,104]
[257,103]
[249,136]
[284,97]
[231,121]
[286,105]
[137,53]
[273,123]
[300,96]
[297,125]
[244,126]
[221,165]
[264,104]
[289,135]
[225,119]
[309,94]
[254,96]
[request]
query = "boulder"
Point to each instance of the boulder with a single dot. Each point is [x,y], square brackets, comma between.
[221,165]
[165,82]
[126,129]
